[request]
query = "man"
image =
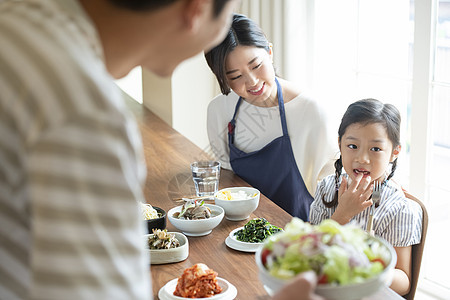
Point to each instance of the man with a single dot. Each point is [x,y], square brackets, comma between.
[71,163]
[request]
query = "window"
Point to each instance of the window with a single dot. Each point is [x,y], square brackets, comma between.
[437,186]
[397,52]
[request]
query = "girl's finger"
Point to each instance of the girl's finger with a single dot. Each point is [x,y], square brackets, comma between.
[367,203]
[343,186]
[368,192]
[355,183]
[364,184]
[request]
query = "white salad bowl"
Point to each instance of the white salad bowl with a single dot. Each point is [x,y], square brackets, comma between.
[238,209]
[333,291]
[197,227]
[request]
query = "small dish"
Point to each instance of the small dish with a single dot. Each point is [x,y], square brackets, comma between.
[235,244]
[166,256]
[157,223]
[238,209]
[199,227]
[229,291]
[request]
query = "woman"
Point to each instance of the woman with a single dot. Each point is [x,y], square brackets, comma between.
[277,139]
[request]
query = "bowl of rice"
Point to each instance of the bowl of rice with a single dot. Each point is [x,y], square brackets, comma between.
[237,202]
[155,217]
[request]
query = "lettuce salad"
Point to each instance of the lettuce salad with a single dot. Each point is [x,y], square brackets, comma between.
[338,254]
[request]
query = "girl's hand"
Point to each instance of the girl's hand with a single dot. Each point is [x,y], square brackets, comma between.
[353,199]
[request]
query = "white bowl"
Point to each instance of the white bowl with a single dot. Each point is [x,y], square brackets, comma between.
[238,210]
[336,292]
[165,256]
[229,291]
[197,227]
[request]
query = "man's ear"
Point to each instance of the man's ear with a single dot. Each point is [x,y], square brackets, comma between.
[195,11]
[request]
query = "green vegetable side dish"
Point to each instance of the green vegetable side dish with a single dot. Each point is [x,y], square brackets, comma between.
[256,231]
[338,254]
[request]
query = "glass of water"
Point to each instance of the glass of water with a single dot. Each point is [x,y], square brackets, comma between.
[206,176]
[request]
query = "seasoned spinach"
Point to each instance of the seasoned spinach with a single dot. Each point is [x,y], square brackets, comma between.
[256,231]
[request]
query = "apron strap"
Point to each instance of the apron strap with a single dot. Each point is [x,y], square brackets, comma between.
[281,107]
[232,123]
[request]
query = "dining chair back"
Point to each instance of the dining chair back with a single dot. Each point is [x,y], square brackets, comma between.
[417,250]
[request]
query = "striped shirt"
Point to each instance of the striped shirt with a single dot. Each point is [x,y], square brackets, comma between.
[397,219]
[71,162]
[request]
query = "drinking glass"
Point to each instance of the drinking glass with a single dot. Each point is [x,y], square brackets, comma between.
[206,176]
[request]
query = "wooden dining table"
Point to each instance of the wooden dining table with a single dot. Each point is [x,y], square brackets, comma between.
[168,155]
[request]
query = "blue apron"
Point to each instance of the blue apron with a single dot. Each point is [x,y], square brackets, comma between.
[273,169]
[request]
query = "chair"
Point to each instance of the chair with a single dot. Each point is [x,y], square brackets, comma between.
[417,250]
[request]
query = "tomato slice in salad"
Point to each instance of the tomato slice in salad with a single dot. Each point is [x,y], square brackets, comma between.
[264,255]
[380,261]
[323,279]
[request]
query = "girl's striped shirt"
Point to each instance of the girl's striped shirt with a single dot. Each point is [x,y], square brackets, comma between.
[397,219]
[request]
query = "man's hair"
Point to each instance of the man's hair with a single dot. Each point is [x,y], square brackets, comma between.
[145,5]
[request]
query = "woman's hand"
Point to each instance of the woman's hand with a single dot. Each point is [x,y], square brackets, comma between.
[353,199]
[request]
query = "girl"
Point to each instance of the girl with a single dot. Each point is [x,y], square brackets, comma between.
[266,129]
[369,141]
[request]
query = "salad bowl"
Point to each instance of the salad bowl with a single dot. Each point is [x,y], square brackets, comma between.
[380,260]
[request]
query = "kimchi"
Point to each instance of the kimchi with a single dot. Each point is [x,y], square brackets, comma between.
[198,281]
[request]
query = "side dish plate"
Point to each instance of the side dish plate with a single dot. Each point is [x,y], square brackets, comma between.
[166,256]
[229,291]
[233,243]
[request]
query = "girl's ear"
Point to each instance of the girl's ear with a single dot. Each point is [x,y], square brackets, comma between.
[396,152]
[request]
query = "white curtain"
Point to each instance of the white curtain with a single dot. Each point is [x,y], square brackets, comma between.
[288,26]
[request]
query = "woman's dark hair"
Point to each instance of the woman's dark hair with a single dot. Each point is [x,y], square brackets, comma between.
[145,5]
[364,112]
[243,32]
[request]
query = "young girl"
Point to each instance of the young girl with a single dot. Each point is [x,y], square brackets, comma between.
[369,141]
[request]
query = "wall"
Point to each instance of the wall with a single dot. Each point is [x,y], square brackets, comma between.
[193,87]
[182,100]
[157,95]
